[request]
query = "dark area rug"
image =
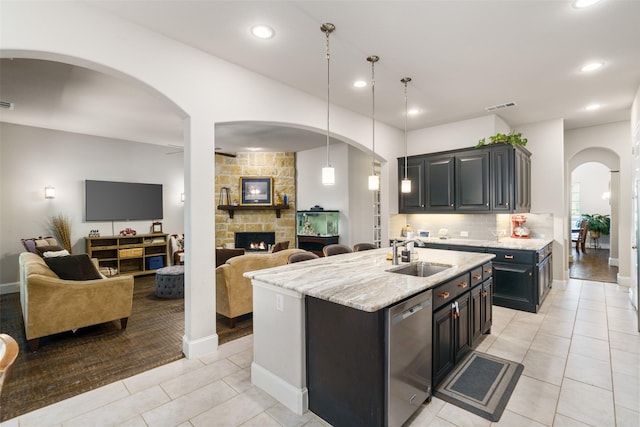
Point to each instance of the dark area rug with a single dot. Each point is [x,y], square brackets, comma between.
[68,364]
[481,384]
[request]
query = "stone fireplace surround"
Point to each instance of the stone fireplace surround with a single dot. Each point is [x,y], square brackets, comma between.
[255,241]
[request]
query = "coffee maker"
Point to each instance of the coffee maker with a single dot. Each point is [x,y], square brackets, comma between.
[518,230]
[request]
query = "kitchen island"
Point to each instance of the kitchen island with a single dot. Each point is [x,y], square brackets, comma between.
[357,288]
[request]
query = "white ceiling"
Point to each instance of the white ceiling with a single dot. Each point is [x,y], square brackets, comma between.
[463,56]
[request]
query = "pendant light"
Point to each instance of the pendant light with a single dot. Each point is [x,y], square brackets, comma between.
[328,172]
[374,180]
[405,186]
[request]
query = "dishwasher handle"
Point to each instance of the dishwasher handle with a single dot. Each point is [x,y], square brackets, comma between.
[411,311]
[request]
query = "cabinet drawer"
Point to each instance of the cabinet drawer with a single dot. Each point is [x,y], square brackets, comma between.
[487,271]
[518,257]
[448,291]
[476,276]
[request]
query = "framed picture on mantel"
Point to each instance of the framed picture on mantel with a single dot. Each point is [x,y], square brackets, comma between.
[256,191]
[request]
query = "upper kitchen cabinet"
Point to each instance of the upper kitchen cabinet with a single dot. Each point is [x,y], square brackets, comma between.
[494,178]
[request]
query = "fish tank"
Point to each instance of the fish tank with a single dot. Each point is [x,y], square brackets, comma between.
[317,223]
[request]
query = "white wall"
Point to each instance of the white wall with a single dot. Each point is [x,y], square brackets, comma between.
[33,158]
[361,198]
[594,180]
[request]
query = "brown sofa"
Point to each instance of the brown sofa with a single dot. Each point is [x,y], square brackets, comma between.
[51,305]
[234,294]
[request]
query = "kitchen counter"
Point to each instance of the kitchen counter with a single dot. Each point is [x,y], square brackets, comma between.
[503,243]
[360,280]
[357,282]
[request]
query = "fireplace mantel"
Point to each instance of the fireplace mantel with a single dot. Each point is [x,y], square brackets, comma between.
[232,208]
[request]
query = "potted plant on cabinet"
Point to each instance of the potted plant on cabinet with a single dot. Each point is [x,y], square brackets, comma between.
[598,224]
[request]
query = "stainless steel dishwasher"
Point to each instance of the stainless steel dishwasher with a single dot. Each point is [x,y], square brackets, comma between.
[408,357]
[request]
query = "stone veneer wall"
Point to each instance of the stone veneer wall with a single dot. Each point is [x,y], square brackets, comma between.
[279,166]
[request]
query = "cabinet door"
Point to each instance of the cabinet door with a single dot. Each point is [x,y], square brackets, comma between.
[502,179]
[440,183]
[513,286]
[472,181]
[443,347]
[462,327]
[487,307]
[415,200]
[522,181]
[477,317]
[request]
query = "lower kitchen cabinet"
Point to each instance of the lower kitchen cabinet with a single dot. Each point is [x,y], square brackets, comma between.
[459,323]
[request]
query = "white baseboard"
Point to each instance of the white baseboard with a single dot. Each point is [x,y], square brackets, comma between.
[624,281]
[200,347]
[297,400]
[9,288]
[614,262]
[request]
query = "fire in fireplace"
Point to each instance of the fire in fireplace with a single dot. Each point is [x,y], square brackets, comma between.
[255,241]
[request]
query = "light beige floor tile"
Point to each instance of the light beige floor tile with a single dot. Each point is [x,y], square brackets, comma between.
[240,381]
[136,421]
[623,325]
[462,418]
[520,331]
[586,403]
[124,409]
[626,391]
[598,305]
[75,406]
[625,363]
[591,316]
[593,330]
[198,378]
[560,312]
[626,417]
[261,420]
[544,367]
[511,419]
[187,424]
[189,405]
[317,422]
[228,349]
[242,359]
[624,342]
[237,410]
[508,349]
[13,422]
[589,371]
[534,399]
[438,422]
[590,347]
[562,421]
[486,342]
[287,418]
[551,344]
[530,318]
[427,413]
[560,328]
[156,376]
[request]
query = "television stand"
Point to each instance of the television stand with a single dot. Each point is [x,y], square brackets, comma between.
[131,255]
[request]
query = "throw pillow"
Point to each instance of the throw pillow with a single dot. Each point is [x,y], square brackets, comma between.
[73,267]
[54,248]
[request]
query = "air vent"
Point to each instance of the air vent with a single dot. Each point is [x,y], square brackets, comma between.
[7,105]
[501,106]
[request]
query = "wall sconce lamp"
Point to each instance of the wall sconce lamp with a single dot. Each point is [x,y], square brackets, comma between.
[49,192]
[182,197]
[328,172]
[374,179]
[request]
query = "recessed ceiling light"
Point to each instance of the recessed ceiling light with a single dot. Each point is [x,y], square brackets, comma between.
[592,107]
[413,111]
[359,83]
[262,31]
[581,4]
[592,66]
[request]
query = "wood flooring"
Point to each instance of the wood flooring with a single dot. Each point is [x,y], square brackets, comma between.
[593,264]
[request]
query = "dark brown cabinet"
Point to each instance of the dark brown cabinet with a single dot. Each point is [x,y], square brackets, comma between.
[494,178]
[462,314]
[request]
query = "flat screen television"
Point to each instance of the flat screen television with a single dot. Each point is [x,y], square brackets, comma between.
[122,201]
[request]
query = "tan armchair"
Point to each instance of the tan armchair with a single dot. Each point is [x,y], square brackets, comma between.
[234,293]
[51,305]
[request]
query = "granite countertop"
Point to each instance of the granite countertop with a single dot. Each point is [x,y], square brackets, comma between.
[360,280]
[503,243]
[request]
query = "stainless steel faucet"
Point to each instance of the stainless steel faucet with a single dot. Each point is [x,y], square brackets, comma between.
[397,244]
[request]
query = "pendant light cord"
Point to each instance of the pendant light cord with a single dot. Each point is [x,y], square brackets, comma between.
[406,113]
[373,59]
[328,29]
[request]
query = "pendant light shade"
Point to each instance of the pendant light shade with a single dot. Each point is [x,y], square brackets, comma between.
[374,180]
[405,186]
[328,172]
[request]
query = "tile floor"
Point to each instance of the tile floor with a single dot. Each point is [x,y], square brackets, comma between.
[581,355]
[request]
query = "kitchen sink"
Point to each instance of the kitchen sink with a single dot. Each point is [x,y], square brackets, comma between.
[420,269]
